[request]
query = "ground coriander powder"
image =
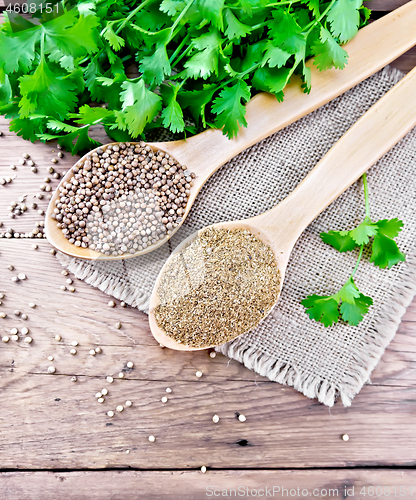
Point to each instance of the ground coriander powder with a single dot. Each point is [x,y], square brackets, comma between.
[220,286]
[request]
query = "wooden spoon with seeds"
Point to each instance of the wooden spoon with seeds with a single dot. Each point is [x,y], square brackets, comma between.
[373,47]
[375,133]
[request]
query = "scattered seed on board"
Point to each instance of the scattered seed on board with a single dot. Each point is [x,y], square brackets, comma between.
[203,469]
[112,303]
[13,331]
[63,288]
[123,304]
[28,340]
[100,400]
[130,364]
[3,315]
[2,295]
[152,439]
[120,408]
[24,316]
[60,154]
[71,289]
[25,156]
[69,281]
[5,339]
[73,351]
[128,403]
[99,395]
[15,337]
[104,392]
[15,279]
[74,379]
[32,305]
[215,419]
[25,330]
[22,276]
[118,326]
[110,413]
[54,160]
[212,354]
[35,247]
[242,418]
[50,358]
[17,312]
[168,390]
[198,374]
[52,251]
[345,437]
[58,337]
[121,375]
[98,350]
[64,273]
[92,352]
[110,380]
[164,399]
[51,369]
[74,343]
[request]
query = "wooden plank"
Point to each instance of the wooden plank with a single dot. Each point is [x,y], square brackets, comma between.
[384,5]
[84,316]
[193,485]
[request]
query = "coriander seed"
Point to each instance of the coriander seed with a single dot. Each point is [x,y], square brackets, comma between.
[100,400]
[212,354]
[345,437]
[51,369]
[74,343]
[28,340]
[112,303]
[164,399]
[130,364]
[242,418]
[203,469]
[98,395]
[15,337]
[118,326]
[3,315]
[5,339]
[215,419]
[120,408]
[50,358]
[110,380]
[73,352]
[110,413]
[32,305]
[168,390]
[74,379]
[152,439]
[198,374]
[128,404]
[25,330]
[92,352]
[58,337]
[24,316]
[104,392]
[121,375]
[98,350]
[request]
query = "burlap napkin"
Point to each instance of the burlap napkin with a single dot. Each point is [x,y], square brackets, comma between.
[288,347]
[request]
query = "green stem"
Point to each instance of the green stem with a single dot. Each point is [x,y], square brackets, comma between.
[366,197]
[184,53]
[312,24]
[358,261]
[179,47]
[132,14]
[182,14]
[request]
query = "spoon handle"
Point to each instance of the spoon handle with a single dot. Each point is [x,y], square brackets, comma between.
[373,135]
[373,47]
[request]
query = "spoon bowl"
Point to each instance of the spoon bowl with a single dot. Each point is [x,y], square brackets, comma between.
[372,48]
[375,133]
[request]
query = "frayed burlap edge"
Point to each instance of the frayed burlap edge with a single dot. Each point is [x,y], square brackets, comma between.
[365,360]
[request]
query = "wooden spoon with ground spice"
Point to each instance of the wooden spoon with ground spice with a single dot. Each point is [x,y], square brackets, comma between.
[91,217]
[223,280]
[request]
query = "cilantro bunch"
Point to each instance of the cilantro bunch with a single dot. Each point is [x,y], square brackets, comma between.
[198,62]
[348,303]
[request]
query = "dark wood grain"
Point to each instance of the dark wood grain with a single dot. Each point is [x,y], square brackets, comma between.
[193,485]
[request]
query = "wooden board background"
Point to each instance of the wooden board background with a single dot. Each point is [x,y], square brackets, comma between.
[57,442]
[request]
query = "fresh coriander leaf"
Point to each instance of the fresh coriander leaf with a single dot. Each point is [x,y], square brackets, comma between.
[344,19]
[271,79]
[156,66]
[5,89]
[313,6]
[115,41]
[20,49]
[229,107]
[92,73]
[385,252]
[340,240]
[247,6]
[390,228]
[283,26]
[204,62]
[353,313]
[275,56]
[73,36]
[328,54]
[212,11]
[172,115]
[140,106]
[253,56]
[87,115]
[349,292]
[45,93]
[323,309]
[235,28]
[196,101]
[362,233]
[172,7]
[28,128]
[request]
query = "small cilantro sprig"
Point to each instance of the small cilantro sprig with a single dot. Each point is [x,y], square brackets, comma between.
[198,63]
[349,303]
